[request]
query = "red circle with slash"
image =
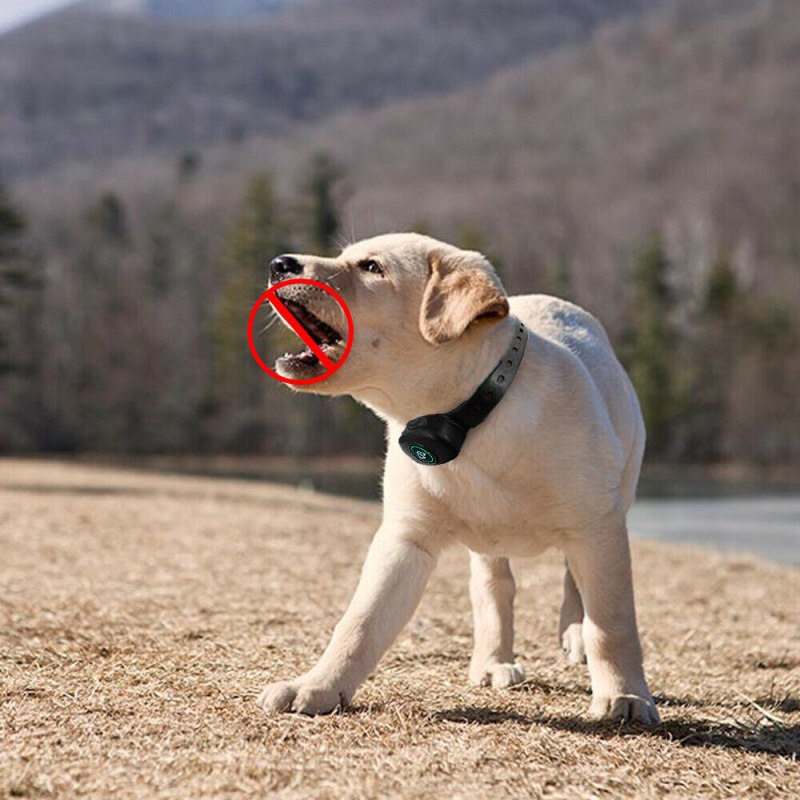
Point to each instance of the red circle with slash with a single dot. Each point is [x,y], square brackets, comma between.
[270,296]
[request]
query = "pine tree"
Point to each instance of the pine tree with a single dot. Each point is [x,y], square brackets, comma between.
[715,351]
[14,276]
[722,288]
[21,287]
[260,233]
[652,345]
[104,362]
[108,218]
[320,206]
[12,226]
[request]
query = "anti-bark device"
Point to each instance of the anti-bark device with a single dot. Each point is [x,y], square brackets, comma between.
[437,438]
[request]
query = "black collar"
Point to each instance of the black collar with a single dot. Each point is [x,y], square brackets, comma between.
[475,409]
[437,438]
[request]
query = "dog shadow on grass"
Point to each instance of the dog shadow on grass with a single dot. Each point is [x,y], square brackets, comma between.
[768,735]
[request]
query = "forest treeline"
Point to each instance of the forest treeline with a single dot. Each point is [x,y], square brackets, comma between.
[126,332]
[129,335]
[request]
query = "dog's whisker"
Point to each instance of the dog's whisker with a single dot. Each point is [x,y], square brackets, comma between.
[272,318]
[333,277]
[269,325]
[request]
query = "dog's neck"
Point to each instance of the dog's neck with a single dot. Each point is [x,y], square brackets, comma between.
[443,377]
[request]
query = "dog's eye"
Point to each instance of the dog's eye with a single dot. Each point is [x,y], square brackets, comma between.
[371,266]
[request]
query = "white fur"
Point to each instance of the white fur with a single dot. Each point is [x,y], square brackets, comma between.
[555,464]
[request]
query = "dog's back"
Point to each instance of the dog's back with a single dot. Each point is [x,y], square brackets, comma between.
[578,332]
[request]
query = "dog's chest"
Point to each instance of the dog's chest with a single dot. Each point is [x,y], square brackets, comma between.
[495,518]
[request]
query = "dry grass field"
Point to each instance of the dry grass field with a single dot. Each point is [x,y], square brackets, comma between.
[140,614]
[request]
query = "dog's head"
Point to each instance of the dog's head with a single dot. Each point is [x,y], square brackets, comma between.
[410,297]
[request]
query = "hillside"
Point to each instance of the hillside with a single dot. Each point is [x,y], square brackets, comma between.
[84,84]
[689,125]
[685,129]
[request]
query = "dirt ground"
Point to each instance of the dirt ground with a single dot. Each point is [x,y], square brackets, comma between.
[140,614]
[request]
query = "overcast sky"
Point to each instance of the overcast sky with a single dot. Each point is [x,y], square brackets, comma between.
[15,12]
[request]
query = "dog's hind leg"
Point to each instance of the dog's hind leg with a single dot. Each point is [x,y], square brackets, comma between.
[570,624]
[601,564]
[491,589]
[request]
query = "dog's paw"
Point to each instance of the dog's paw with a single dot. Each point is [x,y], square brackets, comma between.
[302,697]
[572,643]
[498,676]
[627,707]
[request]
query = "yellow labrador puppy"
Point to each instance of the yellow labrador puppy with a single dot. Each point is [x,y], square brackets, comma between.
[554,463]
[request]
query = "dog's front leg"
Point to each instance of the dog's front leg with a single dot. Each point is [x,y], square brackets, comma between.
[392,580]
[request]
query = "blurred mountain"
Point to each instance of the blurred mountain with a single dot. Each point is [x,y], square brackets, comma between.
[88,84]
[703,101]
[686,127]
[661,155]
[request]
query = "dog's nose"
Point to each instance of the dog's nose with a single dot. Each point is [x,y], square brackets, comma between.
[283,266]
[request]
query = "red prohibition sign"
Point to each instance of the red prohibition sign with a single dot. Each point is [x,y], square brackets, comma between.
[270,296]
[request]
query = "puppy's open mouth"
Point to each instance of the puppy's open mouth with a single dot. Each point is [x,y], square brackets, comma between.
[325,337]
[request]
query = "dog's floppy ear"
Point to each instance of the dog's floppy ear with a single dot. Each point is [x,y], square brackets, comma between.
[462,287]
